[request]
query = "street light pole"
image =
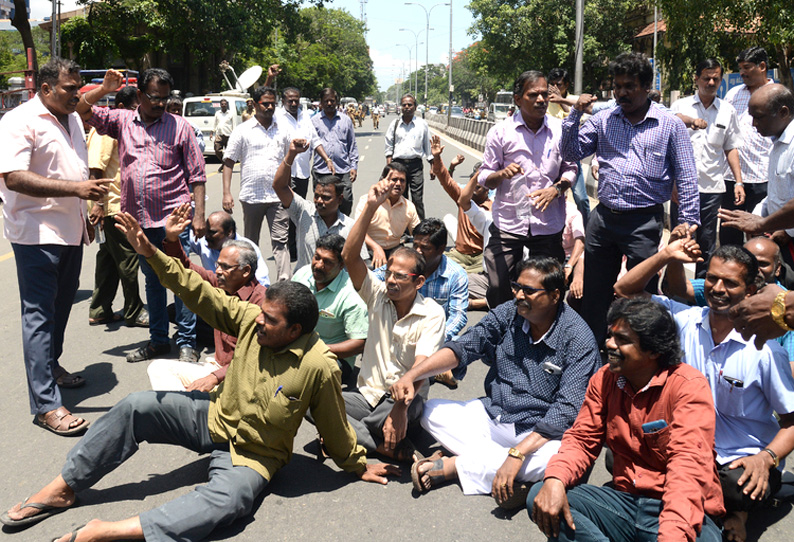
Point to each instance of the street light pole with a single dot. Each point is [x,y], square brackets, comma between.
[410,51]
[427,35]
[449,109]
[416,60]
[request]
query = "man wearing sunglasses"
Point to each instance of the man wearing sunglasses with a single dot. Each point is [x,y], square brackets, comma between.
[404,329]
[541,356]
[161,164]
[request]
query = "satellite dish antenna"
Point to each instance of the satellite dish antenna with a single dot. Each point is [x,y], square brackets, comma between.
[248,78]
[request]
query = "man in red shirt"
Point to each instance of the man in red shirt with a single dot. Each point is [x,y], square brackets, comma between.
[657,416]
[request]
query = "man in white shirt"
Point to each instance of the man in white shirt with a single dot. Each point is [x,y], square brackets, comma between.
[408,142]
[224,125]
[716,138]
[260,145]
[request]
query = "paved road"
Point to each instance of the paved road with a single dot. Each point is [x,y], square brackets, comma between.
[307,499]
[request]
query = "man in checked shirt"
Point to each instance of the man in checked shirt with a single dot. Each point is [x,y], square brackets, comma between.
[642,150]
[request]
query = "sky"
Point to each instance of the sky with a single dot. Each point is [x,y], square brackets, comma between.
[385,18]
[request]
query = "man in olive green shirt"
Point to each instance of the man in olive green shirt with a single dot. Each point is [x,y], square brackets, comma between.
[280,370]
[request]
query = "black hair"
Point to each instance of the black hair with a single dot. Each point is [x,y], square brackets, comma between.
[633,65]
[434,229]
[287,90]
[754,55]
[50,73]
[740,255]
[246,254]
[394,166]
[333,242]
[328,90]
[408,95]
[299,301]
[129,95]
[261,91]
[228,224]
[708,64]
[527,77]
[653,324]
[332,180]
[159,75]
[550,268]
[419,260]
[557,74]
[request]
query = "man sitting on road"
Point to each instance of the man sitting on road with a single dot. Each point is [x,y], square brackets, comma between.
[235,272]
[541,355]
[404,329]
[343,322]
[748,385]
[281,368]
[392,219]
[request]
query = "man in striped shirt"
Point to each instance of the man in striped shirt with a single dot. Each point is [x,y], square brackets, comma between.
[161,164]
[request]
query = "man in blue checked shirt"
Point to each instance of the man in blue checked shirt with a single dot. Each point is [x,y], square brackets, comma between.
[541,356]
[642,150]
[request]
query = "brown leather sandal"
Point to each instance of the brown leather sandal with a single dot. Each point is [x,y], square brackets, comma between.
[59,420]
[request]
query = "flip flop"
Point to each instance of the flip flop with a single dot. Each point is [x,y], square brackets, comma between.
[45,511]
[437,460]
[53,421]
[73,534]
[68,380]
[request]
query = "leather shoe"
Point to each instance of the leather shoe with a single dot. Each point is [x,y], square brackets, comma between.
[150,351]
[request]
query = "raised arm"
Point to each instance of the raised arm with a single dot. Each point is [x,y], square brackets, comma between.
[441,172]
[283,174]
[111,82]
[680,251]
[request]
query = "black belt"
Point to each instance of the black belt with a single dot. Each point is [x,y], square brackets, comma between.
[419,159]
[652,210]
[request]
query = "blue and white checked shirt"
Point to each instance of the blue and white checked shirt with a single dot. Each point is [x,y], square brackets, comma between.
[449,287]
[517,389]
[638,163]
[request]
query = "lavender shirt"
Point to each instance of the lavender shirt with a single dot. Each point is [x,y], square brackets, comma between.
[539,155]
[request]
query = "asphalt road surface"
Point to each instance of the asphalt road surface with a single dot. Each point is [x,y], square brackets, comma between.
[305,500]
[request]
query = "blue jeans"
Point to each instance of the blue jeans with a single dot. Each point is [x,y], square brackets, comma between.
[579,190]
[156,299]
[603,514]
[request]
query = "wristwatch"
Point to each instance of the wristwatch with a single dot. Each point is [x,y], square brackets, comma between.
[778,311]
[559,188]
[512,452]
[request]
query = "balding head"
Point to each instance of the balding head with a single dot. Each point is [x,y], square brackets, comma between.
[767,252]
[772,109]
[220,226]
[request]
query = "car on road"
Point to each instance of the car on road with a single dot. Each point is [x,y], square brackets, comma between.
[498,112]
[199,111]
[457,112]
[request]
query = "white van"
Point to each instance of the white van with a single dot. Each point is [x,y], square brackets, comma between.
[498,112]
[200,112]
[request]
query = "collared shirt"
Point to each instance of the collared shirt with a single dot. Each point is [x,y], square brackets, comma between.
[517,388]
[574,228]
[209,256]
[675,464]
[556,110]
[224,122]
[710,145]
[468,241]
[103,154]
[745,415]
[393,343]
[253,292]
[390,222]
[754,153]
[301,128]
[343,314]
[261,403]
[638,162]
[408,141]
[339,141]
[259,150]
[310,226]
[32,139]
[538,153]
[781,173]
[448,286]
[159,162]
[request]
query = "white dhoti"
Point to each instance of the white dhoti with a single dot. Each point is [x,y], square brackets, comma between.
[174,375]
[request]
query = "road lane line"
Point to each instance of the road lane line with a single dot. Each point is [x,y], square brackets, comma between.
[6,256]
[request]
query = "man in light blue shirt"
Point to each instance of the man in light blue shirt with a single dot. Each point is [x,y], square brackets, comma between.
[748,385]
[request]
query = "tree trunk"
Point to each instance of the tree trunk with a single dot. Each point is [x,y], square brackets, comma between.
[21,23]
[783,61]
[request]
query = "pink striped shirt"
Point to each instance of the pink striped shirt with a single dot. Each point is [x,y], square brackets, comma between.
[159,162]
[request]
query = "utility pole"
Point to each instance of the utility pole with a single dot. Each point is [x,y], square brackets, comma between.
[427,34]
[579,67]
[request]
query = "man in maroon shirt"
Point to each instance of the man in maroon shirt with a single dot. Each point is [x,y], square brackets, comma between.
[657,416]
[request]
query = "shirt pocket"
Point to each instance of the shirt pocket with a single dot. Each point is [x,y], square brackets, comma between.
[716,135]
[654,165]
[729,399]
[656,444]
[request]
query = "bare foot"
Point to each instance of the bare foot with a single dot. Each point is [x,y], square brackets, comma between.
[101,531]
[735,526]
[56,494]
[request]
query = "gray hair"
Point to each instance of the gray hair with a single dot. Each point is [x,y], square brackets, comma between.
[246,255]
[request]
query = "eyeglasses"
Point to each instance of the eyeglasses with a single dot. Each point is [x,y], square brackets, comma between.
[156,99]
[267,104]
[527,290]
[225,266]
[398,276]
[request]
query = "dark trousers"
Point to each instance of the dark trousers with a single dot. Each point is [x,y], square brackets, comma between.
[347,193]
[300,187]
[167,418]
[503,253]
[735,499]
[116,262]
[706,234]
[754,193]
[609,236]
[48,277]
[220,144]
[416,182]
[603,514]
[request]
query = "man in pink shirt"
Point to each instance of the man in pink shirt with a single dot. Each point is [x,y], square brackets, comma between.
[522,162]
[43,180]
